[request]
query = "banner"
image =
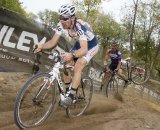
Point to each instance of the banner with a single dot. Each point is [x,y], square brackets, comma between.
[17,38]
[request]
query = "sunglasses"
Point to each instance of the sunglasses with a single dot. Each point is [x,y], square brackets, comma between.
[114,45]
[63,18]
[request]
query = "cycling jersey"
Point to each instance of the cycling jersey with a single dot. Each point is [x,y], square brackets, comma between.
[91,44]
[80,31]
[114,55]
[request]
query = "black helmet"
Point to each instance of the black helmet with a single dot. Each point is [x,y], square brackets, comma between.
[114,42]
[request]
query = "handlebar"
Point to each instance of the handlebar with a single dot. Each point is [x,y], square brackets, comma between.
[55,54]
[107,71]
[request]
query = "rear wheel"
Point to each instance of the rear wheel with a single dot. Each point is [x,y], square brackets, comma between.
[35,101]
[140,73]
[82,99]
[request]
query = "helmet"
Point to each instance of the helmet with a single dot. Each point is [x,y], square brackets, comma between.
[114,42]
[67,10]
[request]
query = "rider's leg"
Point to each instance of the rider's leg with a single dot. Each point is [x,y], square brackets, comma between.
[79,65]
[104,80]
[107,74]
[120,73]
[67,76]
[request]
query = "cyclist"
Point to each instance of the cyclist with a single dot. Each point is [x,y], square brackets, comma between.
[115,55]
[84,49]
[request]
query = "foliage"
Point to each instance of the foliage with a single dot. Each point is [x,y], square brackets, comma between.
[14,5]
[106,30]
[146,32]
[49,17]
[147,27]
[90,8]
[32,16]
[103,25]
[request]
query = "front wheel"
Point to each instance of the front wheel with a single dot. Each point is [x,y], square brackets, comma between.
[82,99]
[112,87]
[140,73]
[35,101]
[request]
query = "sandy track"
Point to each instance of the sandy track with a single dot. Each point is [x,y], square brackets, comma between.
[127,113]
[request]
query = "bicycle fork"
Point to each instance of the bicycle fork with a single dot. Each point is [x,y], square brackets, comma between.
[42,87]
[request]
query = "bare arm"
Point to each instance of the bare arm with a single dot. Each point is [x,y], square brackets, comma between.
[83,50]
[51,43]
[105,60]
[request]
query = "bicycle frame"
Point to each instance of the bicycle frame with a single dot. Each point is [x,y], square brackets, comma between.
[55,74]
[130,67]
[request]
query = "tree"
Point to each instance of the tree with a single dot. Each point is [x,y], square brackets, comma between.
[14,5]
[147,25]
[32,16]
[146,31]
[132,27]
[106,30]
[90,8]
[49,17]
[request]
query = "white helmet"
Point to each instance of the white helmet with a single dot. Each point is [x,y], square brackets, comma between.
[67,10]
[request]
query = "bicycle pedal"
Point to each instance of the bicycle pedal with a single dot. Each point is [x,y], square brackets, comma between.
[62,105]
[59,104]
[80,97]
[74,101]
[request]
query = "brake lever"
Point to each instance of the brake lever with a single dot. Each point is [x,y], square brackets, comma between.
[35,47]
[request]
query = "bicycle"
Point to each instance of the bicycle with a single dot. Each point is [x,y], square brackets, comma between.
[111,83]
[37,97]
[138,74]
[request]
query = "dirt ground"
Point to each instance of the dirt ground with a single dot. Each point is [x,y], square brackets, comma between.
[127,112]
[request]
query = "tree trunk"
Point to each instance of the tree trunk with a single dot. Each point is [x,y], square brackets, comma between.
[132,29]
[155,56]
[104,49]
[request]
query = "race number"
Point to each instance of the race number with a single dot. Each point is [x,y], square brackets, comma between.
[59,28]
[80,32]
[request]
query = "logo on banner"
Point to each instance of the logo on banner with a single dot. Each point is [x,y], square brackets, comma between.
[24,39]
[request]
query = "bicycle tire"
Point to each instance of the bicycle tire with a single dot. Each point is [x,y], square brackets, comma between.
[85,91]
[24,111]
[111,87]
[140,77]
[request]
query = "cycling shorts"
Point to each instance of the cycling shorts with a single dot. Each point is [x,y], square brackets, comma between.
[91,53]
[92,49]
[113,66]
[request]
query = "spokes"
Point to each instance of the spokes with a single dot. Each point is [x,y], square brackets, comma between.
[112,88]
[35,102]
[140,73]
[81,100]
